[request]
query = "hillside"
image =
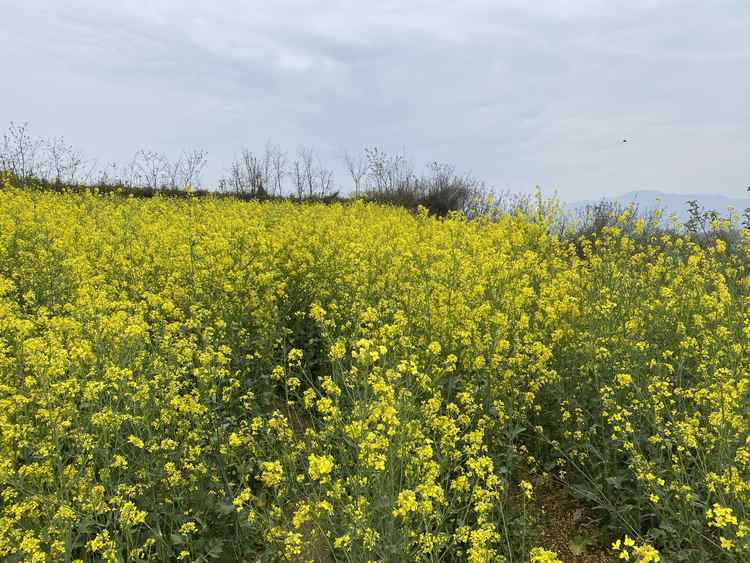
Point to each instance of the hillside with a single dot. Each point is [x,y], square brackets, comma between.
[673,204]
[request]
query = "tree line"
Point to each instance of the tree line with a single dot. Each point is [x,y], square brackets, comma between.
[373,173]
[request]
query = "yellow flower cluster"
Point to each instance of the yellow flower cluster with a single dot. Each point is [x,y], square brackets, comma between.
[628,550]
[218,380]
[541,555]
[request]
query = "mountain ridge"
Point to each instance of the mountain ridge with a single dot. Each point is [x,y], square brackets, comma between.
[671,203]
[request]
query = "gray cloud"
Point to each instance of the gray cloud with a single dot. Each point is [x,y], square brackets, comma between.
[520,94]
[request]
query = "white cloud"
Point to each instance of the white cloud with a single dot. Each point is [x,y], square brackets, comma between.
[519,93]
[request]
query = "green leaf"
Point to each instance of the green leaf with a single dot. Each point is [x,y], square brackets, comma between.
[177,539]
[216,549]
[225,508]
[578,545]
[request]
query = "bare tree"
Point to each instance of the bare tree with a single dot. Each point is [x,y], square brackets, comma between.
[265,167]
[442,176]
[152,169]
[185,172]
[253,173]
[56,153]
[62,161]
[111,174]
[299,179]
[357,167]
[246,176]
[193,163]
[18,152]
[401,173]
[90,173]
[129,174]
[233,182]
[324,179]
[306,157]
[311,178]
[389,173]
[377,164]
[278,162]
[173,173]
[57,161]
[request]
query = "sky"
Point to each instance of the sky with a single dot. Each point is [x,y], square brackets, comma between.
[519,94]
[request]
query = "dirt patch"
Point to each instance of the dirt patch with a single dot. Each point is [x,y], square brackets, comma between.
[568,526]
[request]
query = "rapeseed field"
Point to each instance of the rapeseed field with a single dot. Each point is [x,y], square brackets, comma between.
[214,380]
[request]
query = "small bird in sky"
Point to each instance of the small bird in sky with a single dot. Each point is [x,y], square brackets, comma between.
[624,140]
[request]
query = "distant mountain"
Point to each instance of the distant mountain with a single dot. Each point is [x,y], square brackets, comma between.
[672,204]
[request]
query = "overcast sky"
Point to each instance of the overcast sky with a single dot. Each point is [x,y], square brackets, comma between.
[518,93]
